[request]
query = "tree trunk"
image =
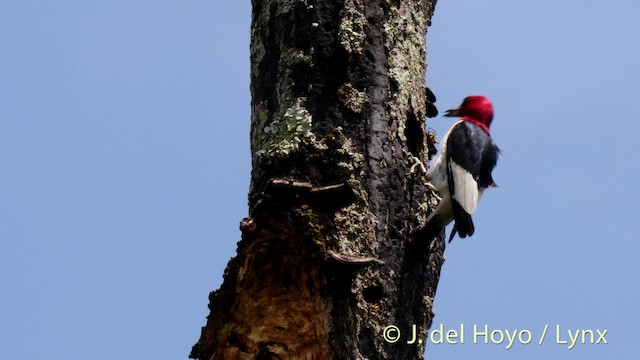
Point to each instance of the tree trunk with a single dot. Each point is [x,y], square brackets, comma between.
[333,251]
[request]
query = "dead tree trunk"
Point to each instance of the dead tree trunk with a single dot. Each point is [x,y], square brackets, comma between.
[329,255]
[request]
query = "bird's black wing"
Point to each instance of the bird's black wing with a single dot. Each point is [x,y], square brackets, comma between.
[471,155]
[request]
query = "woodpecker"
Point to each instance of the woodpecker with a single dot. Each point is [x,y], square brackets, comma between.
[463,170]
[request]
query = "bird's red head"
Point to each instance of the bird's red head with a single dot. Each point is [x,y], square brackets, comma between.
[477,109]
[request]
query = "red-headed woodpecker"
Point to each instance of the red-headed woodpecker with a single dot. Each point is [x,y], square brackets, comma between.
[463,170]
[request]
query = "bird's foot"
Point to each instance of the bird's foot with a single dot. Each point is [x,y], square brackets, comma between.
[417,164]
[433,190]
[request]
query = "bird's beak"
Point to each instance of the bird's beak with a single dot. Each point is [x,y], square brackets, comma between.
[452,112]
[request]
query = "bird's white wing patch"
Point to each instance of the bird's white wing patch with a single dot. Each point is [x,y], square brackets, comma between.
[466,191]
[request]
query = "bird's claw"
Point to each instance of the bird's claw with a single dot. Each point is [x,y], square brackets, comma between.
[417,163]
[433,189]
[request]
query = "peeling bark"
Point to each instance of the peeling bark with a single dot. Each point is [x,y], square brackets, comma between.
[333,251]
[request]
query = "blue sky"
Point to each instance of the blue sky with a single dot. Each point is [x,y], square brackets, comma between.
[124,170]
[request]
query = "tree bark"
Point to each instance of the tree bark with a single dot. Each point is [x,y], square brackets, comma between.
[333,251]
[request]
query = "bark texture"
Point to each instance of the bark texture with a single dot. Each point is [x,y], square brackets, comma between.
[331,253]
